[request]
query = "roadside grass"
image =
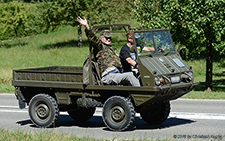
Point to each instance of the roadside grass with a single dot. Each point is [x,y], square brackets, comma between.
[218,91]
[59,48]
[204,95]
[18,135]
[53,49]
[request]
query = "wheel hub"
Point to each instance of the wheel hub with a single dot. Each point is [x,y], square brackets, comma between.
[42,111]
[117,113]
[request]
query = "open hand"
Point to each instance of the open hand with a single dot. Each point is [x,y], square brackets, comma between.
[83,22]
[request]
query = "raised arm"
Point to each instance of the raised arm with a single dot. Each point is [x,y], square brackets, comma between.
[96,43]
[83,22]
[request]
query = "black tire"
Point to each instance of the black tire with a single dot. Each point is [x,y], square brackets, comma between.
[43,110]
[82,114]
[155,114]
[118,113]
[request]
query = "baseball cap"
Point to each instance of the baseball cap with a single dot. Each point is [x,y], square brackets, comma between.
[129,36]
[105,33]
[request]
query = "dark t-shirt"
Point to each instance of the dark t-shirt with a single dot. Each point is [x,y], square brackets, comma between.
[124,54]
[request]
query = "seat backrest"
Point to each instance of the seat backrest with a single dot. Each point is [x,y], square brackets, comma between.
[95,78]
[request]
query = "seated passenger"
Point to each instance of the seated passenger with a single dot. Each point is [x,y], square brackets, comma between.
[109,62]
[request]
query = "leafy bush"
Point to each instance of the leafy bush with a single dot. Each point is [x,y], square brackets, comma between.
[18,20]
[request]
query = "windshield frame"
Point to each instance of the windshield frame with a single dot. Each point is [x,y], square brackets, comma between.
[171,49]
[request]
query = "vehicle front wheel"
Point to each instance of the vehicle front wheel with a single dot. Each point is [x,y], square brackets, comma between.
[156,113]
[118,113]
[43,110]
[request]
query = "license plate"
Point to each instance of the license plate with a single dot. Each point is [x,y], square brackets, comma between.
[175,79]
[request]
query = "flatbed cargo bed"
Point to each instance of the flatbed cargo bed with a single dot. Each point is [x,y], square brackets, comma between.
[49,77]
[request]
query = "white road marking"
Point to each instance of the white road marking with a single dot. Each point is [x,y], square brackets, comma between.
[208,100]
[210,116]
[4,106]
[183,115]
[7,94]
[13,111]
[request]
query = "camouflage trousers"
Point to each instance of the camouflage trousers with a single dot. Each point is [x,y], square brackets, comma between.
[126,78]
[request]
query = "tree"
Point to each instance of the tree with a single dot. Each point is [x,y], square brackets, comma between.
[65,12]
[193,23]
[113,10]
[61,12]
[14,20]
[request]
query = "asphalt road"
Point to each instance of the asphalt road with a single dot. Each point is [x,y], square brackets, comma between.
[189,119]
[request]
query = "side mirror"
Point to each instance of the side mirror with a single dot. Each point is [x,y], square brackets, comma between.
[178,48]
[132,49]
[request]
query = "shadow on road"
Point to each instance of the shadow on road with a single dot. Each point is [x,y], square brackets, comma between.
[94,122]
[97,122]
[170,122]
[24,122]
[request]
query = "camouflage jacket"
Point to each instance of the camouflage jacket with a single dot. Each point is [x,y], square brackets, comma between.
[104,55]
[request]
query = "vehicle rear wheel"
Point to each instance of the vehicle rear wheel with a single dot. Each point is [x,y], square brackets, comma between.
[82,114]
[43,110]
[118,113]
[155,114]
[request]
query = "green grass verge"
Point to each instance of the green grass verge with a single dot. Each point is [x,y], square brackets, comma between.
[60,48]
[6,135]
[18,135]
[204,95]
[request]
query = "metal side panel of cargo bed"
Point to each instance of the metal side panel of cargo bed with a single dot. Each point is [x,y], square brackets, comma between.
[49,77]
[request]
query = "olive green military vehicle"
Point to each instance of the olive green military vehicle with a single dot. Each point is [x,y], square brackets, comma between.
[163,75]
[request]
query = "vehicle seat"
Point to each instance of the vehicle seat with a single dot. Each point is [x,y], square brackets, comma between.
[95,79]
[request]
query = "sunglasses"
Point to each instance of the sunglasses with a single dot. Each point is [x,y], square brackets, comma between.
[108,38]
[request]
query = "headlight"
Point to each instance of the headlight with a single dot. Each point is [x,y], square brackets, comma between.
[186,77]
[190,74]
[159,81]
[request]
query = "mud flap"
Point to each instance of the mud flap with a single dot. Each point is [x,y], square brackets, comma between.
[22,104]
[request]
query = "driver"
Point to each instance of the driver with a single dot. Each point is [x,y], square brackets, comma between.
[127,58]
[109,62]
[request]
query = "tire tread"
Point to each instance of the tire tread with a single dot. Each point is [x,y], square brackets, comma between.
[56,109]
